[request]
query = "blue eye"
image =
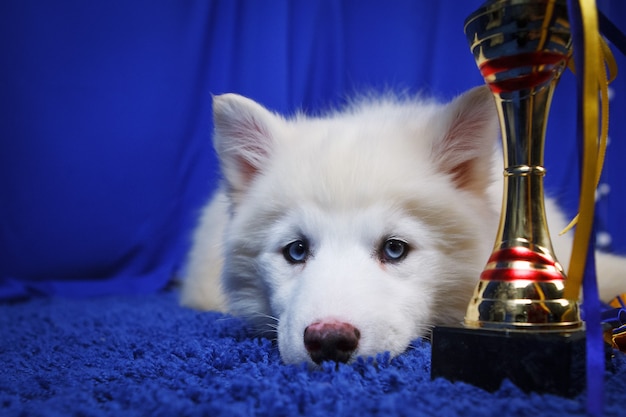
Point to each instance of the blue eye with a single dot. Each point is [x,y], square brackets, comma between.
[296,252]
[393,250]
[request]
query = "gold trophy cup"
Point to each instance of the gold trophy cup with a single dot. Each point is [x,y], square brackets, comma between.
[518,325]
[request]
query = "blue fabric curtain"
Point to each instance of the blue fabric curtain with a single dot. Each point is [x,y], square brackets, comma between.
[105,117]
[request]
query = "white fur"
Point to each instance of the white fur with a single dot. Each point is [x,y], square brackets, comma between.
[423,172]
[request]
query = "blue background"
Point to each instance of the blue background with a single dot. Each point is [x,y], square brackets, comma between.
[105,118]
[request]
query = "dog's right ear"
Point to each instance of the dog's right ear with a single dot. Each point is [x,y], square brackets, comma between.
[243,138]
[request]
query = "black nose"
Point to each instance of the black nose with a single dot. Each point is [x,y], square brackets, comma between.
[331,341]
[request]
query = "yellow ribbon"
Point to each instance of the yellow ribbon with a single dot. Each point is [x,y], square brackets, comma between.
[597,54]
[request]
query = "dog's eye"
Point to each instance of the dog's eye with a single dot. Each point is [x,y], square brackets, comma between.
[394,250]
[296,252]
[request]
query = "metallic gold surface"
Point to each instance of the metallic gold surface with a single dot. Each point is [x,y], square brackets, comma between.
[521,48]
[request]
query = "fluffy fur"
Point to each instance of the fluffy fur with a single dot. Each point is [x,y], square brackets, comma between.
[415,171]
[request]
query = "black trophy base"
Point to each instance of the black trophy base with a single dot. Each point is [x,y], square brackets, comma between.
[543,362]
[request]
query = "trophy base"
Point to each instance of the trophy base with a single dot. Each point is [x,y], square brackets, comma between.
[545,362]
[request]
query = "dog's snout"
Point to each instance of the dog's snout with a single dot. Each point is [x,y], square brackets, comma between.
[331,341]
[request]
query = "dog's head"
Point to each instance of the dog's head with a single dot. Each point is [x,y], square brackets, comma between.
[354,233]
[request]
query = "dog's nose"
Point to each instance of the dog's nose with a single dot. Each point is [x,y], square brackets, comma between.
[331,341]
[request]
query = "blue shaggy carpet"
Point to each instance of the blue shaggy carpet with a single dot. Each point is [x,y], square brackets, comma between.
[147,356]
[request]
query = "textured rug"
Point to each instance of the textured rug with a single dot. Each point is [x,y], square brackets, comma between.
[146,356]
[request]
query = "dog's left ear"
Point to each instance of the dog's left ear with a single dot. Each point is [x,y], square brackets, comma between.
[243,138]
[465,151]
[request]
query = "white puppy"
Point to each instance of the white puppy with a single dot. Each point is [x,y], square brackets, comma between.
[354,233]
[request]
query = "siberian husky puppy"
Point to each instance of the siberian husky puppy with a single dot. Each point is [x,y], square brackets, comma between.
[354,233]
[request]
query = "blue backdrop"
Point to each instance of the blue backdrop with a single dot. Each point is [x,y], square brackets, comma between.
[105,118]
